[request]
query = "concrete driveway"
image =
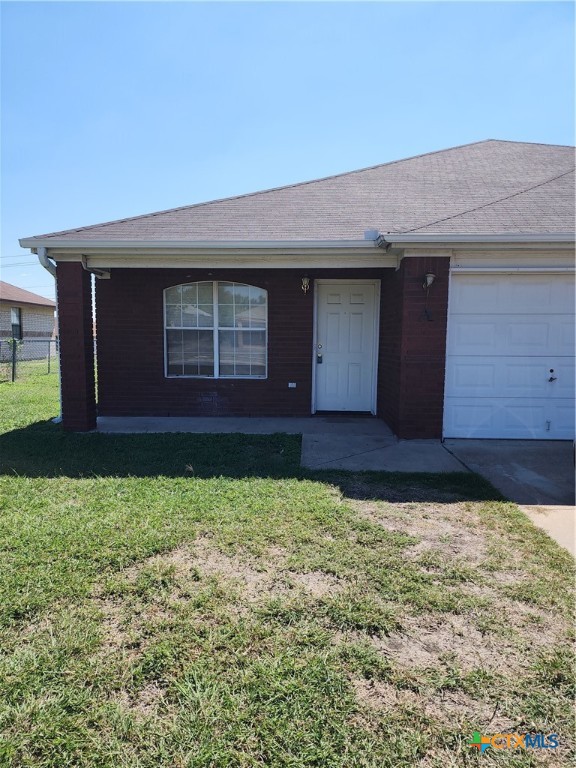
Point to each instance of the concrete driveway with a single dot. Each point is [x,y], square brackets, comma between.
[537,474]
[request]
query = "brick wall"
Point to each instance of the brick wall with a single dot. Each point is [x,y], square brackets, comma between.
[37,321]
[413,349]
[73,285]
[131,378]
[130,335]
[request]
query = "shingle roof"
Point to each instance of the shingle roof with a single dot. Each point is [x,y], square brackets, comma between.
[488,187]
[17,295]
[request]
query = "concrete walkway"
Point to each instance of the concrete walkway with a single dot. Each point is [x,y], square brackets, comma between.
[328,442]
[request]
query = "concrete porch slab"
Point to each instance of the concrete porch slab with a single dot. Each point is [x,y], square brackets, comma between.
[328,442]
[248,425]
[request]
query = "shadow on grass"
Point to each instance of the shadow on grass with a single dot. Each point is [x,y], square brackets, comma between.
[43,449]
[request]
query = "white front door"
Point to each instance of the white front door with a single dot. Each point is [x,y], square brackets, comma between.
[510,357]
[345,353]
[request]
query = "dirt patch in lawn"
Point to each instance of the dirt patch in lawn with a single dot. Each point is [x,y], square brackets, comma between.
[159,586]
[446,707]
[316,583]
[251,578]
[144,703]
[428,639]
[454,640]
[450,530]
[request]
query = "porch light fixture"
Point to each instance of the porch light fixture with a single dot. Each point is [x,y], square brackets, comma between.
[429,278]
[305,284]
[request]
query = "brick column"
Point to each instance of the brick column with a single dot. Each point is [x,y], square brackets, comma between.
[74,290]
[413,348]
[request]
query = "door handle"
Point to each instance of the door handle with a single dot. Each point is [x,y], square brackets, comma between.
[318,358]
[552,378]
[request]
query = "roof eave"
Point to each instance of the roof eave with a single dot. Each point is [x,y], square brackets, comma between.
[195,245]
[415,238]
[400,240]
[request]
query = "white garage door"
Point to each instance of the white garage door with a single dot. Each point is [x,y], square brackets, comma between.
[510,357]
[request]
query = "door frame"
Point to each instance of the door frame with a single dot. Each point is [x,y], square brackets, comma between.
[376,336]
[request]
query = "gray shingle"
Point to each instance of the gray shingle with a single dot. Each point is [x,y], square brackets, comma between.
[489,187]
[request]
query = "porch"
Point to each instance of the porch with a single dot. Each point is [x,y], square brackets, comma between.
[328,441]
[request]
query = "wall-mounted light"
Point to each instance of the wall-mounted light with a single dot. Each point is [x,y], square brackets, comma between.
[305,284]
[429,278]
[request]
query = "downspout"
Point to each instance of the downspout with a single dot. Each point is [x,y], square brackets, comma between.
[101,273]
[45,261]
[51,267]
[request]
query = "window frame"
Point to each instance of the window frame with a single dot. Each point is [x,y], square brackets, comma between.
[215,330]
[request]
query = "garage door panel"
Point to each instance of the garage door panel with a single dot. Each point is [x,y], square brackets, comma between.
[566,338]
[523,416]
[511,377]
[468,376]
[514,294]
[563,370]
[466,417]
[563,296]
[477,334]
[527,337]
[507,336]
[479,297]
[531,294]
[510,418]
[562,419]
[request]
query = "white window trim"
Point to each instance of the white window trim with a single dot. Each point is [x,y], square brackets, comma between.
[215,329]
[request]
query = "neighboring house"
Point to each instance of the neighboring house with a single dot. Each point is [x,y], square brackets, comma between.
[436,293]
[25,315]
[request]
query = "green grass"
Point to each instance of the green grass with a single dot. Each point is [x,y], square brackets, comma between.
[202,601]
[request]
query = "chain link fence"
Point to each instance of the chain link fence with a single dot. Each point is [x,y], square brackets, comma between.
[25,358]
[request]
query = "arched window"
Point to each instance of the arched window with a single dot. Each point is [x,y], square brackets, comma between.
[216,329]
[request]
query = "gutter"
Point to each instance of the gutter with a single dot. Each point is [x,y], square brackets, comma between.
[99,273]
[204,245]
[504,238]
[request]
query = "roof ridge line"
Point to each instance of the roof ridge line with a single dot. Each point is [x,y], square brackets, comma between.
[261,191]
[534,143]
[487,205]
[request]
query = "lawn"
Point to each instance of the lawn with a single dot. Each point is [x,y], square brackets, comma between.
[201,601]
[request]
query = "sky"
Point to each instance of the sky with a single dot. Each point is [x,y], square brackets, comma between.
[114,109]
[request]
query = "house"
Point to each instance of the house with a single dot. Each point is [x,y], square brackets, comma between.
[25,315]
[435,292]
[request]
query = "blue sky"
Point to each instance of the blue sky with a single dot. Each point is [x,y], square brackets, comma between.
[117,109]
